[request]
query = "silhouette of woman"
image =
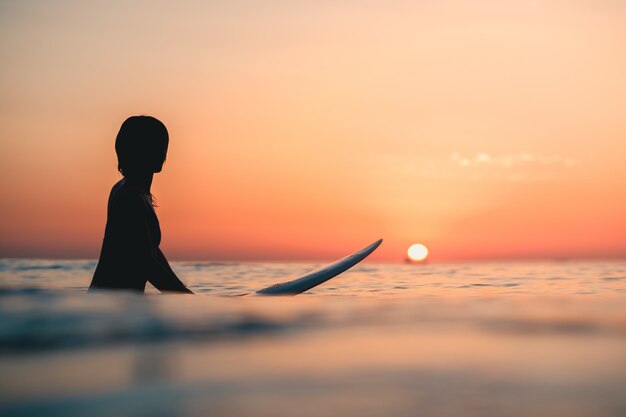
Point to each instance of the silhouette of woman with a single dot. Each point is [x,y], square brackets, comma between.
[130,253]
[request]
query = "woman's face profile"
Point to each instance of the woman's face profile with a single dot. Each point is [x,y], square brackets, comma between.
[141,146]
[158,164]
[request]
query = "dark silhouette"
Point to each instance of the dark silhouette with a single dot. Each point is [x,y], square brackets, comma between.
[130,253]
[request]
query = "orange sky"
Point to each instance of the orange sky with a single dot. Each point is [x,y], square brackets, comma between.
[304,130]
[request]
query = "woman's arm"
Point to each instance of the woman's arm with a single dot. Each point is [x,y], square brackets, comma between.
[164,278]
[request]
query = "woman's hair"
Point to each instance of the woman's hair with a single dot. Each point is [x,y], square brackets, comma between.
[141,146]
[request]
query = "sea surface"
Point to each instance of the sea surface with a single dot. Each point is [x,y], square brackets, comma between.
[457,339]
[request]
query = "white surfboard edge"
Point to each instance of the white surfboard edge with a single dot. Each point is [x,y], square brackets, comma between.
[320,275]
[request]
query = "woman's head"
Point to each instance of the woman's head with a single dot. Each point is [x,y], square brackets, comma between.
[141,145]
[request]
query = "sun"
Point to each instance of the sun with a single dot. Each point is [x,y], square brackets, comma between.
[417,252]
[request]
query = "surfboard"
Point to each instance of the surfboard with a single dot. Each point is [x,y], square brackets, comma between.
[320,275]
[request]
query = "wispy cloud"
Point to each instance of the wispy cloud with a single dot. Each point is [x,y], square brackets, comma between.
[507,161]
[478,166]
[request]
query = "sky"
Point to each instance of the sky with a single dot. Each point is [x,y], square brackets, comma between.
[306,130]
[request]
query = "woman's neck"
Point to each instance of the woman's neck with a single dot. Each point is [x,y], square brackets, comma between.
[142,181]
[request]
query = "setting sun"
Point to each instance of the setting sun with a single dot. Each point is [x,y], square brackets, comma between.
[417,252]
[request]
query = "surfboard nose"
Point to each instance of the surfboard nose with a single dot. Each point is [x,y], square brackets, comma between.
[320,275]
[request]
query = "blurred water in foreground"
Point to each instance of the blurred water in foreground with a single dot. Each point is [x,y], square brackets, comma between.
[514,339]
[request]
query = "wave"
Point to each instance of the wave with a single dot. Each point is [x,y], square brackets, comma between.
[34,320]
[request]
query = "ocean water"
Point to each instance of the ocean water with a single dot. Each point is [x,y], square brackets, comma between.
[475,339]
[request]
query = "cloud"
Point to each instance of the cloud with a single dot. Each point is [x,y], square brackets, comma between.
[475,167]
[509,161]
